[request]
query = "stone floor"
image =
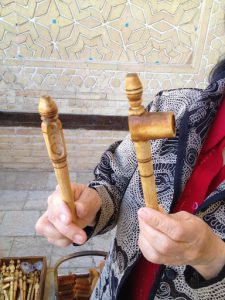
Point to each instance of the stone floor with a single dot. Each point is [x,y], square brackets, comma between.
[23,199]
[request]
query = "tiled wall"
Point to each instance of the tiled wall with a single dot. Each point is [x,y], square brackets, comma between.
[79,51]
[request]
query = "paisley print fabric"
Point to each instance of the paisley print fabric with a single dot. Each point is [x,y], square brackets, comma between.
[118,183]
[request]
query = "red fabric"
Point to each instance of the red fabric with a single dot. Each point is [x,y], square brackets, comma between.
[203,179]
[219,178]
[209,171]
[208,174]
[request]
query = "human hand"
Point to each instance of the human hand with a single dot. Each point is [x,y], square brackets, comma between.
[56,223]
[180,239]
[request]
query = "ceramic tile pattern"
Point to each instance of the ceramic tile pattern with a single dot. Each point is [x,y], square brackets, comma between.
[79,52]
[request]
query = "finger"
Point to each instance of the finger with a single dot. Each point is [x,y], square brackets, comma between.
[162,243]
[57,208]
[87,205]
[60,216]
[71,231]
[168,225]
[45,228]
[64,226]
[77,189]
[59,243]
[150,253]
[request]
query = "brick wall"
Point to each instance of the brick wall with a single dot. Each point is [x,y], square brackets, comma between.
[24,148]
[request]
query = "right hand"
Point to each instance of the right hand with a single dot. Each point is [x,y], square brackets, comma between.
[56,223]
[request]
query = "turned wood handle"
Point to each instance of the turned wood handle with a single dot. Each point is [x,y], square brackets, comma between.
[54,140]
[145,126]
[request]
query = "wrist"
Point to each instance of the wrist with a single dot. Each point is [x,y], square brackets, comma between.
[213,265]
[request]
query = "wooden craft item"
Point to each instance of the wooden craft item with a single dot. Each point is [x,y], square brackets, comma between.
[36,288]
[54,139]
[24,286]
[20,283]
[146,126]
[11,289]
[6,295]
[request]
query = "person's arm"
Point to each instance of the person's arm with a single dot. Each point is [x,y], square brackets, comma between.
[184,239]
[112,176]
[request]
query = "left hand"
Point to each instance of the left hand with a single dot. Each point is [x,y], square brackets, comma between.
[180,239]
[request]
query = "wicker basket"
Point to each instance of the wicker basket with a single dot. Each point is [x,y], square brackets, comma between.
[76,286]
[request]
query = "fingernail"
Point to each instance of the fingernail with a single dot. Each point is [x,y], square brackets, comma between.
[79,239]
[63,218]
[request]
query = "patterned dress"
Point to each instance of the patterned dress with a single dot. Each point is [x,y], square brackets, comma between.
[118,183]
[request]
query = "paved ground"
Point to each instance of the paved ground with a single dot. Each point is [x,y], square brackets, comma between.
[23,199]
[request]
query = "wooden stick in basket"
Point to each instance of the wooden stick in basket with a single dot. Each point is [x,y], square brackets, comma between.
[54,139]
[145,126]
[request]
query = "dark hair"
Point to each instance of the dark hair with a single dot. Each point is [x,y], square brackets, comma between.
[218,71]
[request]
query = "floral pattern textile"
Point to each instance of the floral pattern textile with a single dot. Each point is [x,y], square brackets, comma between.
[118,183]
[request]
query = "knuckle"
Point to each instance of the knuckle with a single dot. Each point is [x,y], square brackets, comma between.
[156,221]
[53,198]
[38,228]
[165,247]
[154,257]
[50,200]
[67,232]
[51,217]
[84,210]
[65,243]
[182,213]
[177,233]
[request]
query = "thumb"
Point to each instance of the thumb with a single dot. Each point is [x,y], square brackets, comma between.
[77,190]
[88,205]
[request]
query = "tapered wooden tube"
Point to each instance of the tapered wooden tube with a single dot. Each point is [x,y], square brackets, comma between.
[54,140]
[145,126]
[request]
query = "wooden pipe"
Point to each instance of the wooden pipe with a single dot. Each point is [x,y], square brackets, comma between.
[54,139]
[145,126]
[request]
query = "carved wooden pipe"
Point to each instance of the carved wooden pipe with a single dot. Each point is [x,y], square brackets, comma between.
[145,126]
[54,139]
